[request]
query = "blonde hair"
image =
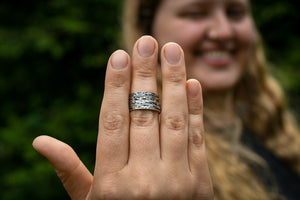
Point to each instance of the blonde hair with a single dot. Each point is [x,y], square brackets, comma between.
[261,101]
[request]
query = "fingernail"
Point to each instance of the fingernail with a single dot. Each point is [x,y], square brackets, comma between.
[172,53]
[119,59]
[146,46]
[193,88]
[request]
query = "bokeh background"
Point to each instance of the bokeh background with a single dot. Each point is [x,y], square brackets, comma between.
[53,55]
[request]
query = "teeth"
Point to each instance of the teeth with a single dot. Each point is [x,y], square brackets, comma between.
[216,55]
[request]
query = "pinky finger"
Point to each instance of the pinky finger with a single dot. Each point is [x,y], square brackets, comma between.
[197,157]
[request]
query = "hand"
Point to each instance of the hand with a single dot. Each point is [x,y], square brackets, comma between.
[141,155]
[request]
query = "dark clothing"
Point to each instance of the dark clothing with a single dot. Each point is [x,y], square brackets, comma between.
[279,175]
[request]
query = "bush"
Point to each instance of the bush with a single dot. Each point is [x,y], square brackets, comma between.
[53,56]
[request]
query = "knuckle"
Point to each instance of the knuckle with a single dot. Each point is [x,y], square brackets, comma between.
[195,108]
[145,190]
[177,190]
[117,81]
[142,119]
[106,194]
[176,122]
[196,138]
[176,75]
[141,193]
[206,192]
[108,190]
[144,70]
[196,135]
[113,121]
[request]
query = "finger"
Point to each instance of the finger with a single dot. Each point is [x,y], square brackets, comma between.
[144,128]
[112,146]
[197,155]
[174,116]
[75,177]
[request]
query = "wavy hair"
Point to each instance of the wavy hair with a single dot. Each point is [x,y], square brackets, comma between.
[261,105]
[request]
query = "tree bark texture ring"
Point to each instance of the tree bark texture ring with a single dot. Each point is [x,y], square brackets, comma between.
[144,101]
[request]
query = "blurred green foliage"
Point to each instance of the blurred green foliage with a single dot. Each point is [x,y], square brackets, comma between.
[278,21]
[53,55]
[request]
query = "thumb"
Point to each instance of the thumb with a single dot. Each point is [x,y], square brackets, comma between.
[75,177]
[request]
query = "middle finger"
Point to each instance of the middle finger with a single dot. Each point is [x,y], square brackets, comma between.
[144,127]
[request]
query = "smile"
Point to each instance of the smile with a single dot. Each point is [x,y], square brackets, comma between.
[216,55]
[217,58]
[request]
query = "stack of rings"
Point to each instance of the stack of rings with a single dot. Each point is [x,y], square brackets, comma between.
[144,101]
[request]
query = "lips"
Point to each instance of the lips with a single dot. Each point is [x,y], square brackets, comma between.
[216,55]
[216,58]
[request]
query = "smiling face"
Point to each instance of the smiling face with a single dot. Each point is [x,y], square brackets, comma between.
[216,36]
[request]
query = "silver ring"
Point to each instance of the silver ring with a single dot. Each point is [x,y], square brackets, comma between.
[144,101]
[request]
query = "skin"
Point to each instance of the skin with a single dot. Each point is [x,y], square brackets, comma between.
[141,155]
[204,28]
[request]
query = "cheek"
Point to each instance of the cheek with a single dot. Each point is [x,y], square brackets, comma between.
[187,35]
[183,33]
[246,33]
[189,38]
[245,36]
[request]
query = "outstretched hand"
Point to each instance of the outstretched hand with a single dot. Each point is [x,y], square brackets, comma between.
[141,154]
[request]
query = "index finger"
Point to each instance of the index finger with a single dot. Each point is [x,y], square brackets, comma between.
[112,146]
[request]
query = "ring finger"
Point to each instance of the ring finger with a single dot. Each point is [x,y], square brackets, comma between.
[174,116]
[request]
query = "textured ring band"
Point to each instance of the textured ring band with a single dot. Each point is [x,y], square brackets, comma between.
[144,101]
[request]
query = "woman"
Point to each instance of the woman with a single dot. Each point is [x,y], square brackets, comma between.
[211,33]
[144,155]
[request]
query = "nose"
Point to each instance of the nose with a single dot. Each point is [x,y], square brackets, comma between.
[220,27]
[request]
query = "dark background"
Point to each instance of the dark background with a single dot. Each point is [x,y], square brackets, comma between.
[53,55]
